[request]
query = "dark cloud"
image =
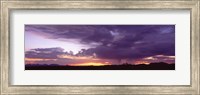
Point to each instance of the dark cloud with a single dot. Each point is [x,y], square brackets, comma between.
[113,41]
[57,56]
[44,53]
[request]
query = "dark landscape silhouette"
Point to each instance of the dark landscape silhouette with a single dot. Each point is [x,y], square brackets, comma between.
[125,66]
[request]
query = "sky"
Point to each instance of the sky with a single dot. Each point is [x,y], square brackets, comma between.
[97,45]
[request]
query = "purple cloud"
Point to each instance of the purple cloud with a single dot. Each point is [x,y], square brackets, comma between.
[46,53]
[112,41]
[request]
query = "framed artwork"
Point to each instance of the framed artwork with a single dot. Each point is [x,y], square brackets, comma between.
[100,47]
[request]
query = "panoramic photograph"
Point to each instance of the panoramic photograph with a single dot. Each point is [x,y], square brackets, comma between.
[99,47]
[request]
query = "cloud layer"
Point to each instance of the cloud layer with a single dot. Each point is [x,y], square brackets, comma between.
[113,42]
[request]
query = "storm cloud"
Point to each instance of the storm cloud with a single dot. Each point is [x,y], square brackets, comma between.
[45,53]
[109,41]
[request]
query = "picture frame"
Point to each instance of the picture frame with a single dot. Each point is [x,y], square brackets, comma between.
[8,5]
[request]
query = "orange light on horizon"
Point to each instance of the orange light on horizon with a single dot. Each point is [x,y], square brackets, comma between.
[90,64]
[38,59]
[142,62]
[33,60]
[77,57]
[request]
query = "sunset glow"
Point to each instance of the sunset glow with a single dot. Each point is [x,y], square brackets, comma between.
[141,62]
[90,64]
[39,59]
[77,57]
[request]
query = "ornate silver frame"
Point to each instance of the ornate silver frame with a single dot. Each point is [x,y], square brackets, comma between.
[8,5]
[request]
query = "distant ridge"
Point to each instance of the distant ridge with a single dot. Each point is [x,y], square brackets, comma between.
[125,66]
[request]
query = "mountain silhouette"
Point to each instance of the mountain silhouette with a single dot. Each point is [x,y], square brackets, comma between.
[125,66]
